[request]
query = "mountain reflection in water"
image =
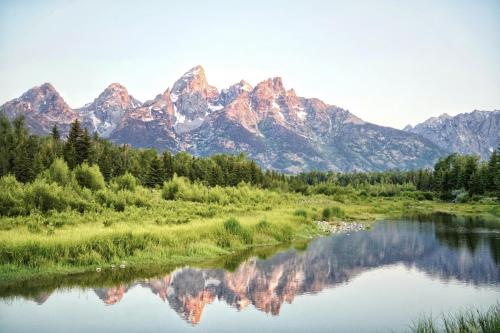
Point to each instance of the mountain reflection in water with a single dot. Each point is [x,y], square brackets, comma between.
[464,254]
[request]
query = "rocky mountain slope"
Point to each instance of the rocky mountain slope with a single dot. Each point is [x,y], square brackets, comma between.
[268,122]
[477,132]
[42,107]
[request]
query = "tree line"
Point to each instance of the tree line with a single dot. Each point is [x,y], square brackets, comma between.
[26,156]
[452,176]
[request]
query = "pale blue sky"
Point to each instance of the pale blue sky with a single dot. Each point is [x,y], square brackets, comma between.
[392,62]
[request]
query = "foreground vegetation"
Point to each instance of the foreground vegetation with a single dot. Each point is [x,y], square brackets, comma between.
[86,203]
[464,322]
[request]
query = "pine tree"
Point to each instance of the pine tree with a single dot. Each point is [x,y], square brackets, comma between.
[104,162]
[70,152]
[493,170]
[83,146]
[155,175]
[168,165]
[56,136]
[496,174]
[6,145]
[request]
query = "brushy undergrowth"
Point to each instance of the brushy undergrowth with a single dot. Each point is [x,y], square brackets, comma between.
[180,188]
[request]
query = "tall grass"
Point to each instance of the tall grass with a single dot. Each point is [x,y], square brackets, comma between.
[474,321]
[234,227]
[330,212]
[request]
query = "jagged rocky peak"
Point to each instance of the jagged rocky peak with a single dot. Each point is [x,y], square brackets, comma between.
[230,94]
[476,132]
[266,94]
[161,109]
[441,118]
[44,99]
[193,81]
[106,111]
[42,107]
[193,99]
[117,95]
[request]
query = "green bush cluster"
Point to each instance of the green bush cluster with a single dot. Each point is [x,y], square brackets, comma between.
[125,182]
[11,197]
[89,176]
[181,188]
[59,189]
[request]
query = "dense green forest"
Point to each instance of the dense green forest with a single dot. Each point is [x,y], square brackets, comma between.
[30,157]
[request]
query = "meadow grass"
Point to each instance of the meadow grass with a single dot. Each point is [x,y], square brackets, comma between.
[200,224]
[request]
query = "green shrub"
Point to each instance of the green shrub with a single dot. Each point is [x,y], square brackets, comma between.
[337,212]
[171,188]
[234,227]
[327,214]
[126,182]
[300,212]
[89,177]
[59,173]
[334,211]
[461,196]
[180,188]
[11,197]
[119,205]
[44,196]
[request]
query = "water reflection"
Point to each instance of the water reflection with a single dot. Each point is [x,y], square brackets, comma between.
[442,250]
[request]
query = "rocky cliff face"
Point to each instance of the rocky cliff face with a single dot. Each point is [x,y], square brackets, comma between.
[268,122]
[477,132]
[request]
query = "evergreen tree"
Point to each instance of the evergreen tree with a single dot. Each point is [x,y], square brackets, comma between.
[493,165]
[83,146]
[56,136]
[70,148]
[155,175]
[104,162]
[6,145]
[168,165]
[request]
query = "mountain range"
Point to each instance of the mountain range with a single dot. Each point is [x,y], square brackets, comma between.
[269,123]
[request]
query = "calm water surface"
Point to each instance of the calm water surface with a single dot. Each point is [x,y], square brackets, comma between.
[377,280]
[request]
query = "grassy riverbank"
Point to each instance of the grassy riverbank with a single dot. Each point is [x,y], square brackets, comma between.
[189,223]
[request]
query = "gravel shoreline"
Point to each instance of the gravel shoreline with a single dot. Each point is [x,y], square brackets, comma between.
[339,227]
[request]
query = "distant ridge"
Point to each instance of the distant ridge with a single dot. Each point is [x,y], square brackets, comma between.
[477,132]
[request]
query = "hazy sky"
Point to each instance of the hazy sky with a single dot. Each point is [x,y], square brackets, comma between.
[392,62]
